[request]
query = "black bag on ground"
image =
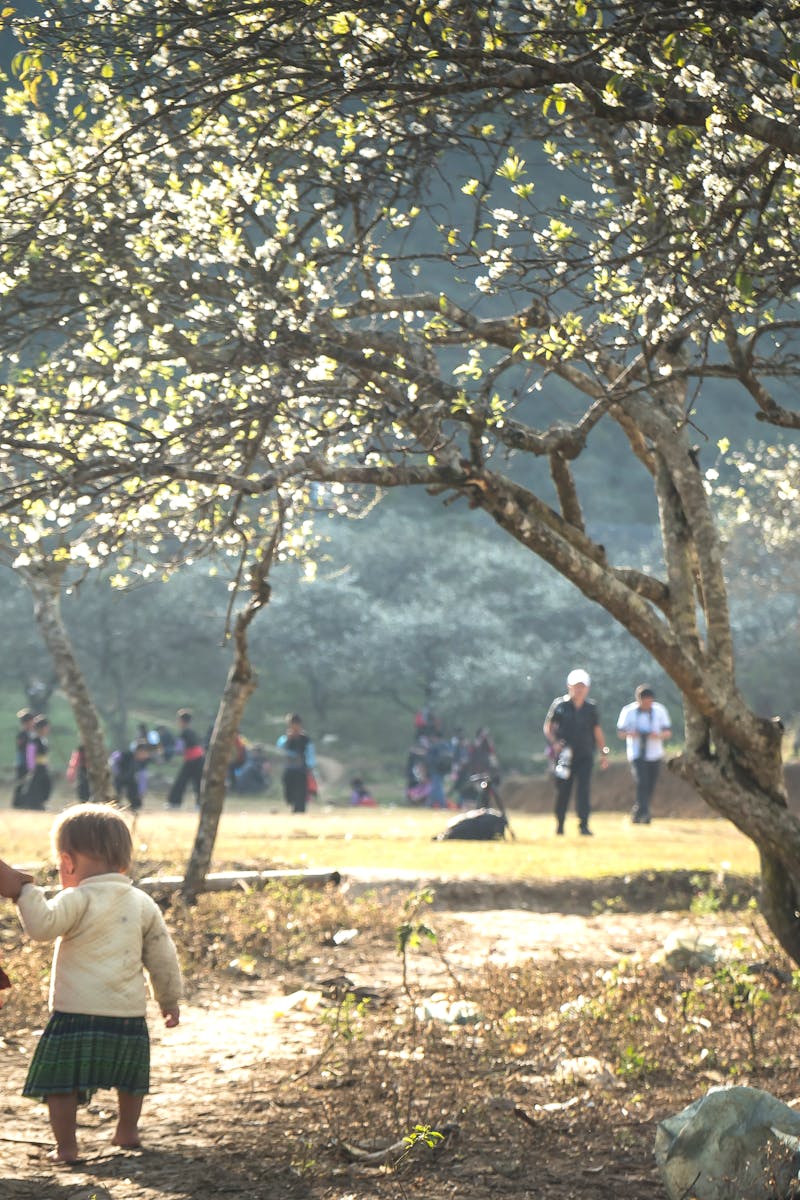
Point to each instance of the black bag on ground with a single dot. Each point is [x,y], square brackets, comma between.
[477,825]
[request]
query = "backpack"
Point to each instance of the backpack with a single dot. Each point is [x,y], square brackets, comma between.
[478,825]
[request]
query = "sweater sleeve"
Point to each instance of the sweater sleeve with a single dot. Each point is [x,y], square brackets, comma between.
[160,958]
[44,920]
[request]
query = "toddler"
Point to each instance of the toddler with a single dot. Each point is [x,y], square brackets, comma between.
[105,931]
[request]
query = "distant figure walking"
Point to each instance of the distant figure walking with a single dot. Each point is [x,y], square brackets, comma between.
[645,726]
[299,762]
[143,751]
[78,773]
[34,790]
[438,763]
[193,755]
[129,772]
[572,726]
[26,718]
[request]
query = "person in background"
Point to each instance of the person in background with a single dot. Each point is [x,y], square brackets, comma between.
[299,761]
[193,755]
[482,756]
[25,717]
[417,784]
[459,748]
[107,934]
[645,726]
[438,764]
[572,726]
[425,722]
[237,760]
[151,737]
[480,760]
[129,772]
[254,774]
[34,790]
[360,793]
[142,757]
[77,773]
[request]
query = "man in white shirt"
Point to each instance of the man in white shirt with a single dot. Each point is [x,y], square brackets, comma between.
[645,725]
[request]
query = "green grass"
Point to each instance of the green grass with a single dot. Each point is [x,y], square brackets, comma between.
[389,840]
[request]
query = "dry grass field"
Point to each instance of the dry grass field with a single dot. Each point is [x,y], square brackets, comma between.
[400,840]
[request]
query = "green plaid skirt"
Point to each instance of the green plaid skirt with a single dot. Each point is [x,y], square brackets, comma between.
[80,1053]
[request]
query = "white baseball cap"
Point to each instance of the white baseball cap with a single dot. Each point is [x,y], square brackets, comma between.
[578,677]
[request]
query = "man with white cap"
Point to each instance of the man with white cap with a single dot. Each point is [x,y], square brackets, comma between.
[572,726]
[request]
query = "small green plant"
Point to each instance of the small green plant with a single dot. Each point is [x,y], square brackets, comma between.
[634,1063]
[745,996]
[412,930]
[345,1022]
[707,900]
[423,1133]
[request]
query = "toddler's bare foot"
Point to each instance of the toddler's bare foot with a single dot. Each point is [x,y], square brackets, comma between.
[127,1139]
[65,1156]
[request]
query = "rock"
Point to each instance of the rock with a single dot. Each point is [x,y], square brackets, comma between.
[690,950]
[448,1012]
[737,1143]
[588,1070]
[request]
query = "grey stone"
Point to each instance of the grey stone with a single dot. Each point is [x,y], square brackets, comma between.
[737,1143]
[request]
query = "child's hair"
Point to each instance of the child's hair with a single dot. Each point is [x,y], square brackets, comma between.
[97,830]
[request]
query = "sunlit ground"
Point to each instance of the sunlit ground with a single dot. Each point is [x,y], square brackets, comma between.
[261,833]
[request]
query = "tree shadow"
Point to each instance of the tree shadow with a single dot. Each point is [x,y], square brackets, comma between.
[36,1187]
[197,1172]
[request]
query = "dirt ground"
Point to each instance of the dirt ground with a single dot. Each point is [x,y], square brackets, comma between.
[256,1097]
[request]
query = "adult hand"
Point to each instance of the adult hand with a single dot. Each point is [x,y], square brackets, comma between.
[12,881]
[172,1016]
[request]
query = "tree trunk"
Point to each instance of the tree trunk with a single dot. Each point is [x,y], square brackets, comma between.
[44,581]
[747,787]
[733,756]
[239,686]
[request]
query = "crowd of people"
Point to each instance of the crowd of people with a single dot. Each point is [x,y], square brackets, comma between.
[445,771]
[249,771]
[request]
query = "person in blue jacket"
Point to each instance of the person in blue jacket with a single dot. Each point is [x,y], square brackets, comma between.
[300,761]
